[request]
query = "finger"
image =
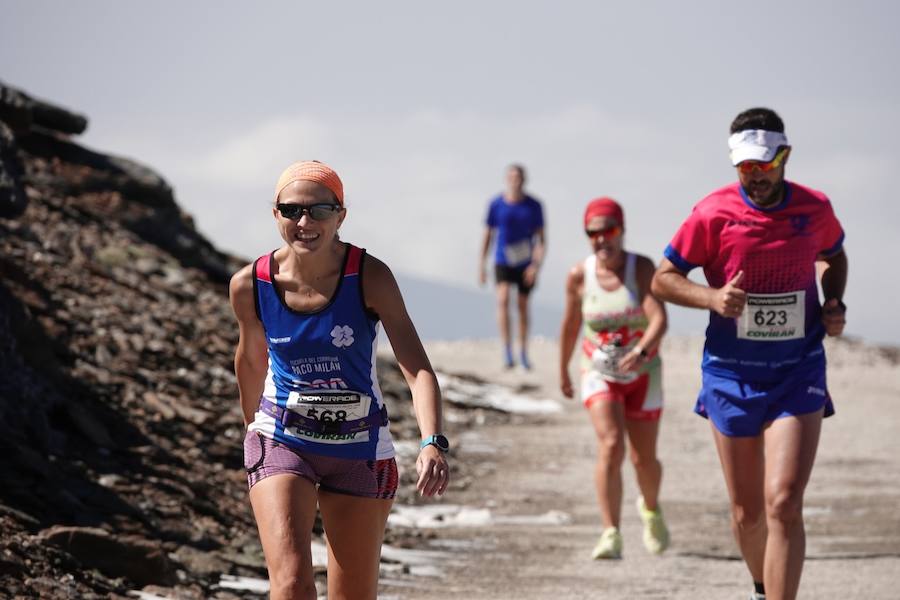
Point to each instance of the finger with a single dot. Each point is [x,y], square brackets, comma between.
[434,480]
[420,484]
[834,321]
[431,481]
[425,490]
[429,478]
[737,279]
[735,296]
[442,472]
[445,483]
[424,468]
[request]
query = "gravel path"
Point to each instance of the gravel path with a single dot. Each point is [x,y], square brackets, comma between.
[542,467]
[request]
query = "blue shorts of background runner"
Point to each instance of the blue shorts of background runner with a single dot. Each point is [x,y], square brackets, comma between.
[741,408]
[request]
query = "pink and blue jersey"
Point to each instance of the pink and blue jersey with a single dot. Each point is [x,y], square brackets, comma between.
[781,328]
[322,366]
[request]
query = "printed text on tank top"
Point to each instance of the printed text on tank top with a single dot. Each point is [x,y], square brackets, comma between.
[321,391]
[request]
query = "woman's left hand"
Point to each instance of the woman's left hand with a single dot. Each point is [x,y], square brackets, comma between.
[434,473]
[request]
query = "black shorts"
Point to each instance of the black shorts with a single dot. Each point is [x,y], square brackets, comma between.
[514,275]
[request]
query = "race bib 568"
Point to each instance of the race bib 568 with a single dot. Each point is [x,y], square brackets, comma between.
[328,405]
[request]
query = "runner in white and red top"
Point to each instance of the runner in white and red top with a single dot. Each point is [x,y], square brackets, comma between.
[761,242]
[610,307]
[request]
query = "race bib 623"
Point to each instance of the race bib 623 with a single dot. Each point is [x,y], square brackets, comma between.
[773,317]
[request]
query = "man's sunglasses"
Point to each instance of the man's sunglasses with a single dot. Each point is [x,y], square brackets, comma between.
[316,212]
[607,232]
[748,166]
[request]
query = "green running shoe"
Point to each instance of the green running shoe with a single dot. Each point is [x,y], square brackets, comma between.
[609,545]
[656,534]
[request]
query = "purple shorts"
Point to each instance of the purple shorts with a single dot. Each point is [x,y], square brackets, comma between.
[264,457]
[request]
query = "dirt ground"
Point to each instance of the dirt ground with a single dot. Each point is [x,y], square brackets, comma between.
[545,463]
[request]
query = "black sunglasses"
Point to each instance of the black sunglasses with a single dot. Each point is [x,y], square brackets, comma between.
[316,212]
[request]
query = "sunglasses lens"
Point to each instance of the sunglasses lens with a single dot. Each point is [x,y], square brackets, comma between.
[748,166]
[607,233]
[320,212]
[290,211]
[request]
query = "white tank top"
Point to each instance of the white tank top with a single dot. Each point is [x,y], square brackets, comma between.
[613,321]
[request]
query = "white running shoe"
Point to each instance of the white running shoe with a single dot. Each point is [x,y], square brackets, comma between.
[656,534]
[609,545]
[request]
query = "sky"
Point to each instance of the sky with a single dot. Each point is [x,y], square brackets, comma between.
[421,107]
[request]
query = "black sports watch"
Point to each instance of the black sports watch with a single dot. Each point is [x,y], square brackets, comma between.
[438,441]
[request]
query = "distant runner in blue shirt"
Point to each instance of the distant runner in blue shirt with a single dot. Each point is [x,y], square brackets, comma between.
[518,221]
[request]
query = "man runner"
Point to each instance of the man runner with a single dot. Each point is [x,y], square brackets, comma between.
[761,242]
[518,221]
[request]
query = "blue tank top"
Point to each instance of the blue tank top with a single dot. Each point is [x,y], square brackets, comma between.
[322,364]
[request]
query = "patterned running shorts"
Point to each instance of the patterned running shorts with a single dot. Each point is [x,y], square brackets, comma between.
[264,457]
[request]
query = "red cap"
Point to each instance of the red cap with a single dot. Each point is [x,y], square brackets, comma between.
[604,207]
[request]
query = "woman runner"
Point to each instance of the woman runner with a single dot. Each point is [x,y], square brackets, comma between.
[609,292]
[317,433]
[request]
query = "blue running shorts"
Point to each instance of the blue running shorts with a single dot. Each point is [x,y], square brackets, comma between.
[741,408]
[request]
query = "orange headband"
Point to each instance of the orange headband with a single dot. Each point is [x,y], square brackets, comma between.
[311,170]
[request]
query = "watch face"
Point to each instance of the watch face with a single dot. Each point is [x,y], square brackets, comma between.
[438,441]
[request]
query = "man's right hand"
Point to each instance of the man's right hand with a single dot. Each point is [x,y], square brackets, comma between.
[729,300]
[482,275]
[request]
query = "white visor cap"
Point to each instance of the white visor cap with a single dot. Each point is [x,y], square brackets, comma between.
[755,144]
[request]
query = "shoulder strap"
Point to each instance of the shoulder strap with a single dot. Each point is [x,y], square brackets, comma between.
[262,268]
[262,271]
[631,272]
[590,274]
[355,264]
[353,261]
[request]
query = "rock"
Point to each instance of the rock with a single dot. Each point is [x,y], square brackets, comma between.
[137,559]
[157,404]
[25,112]
[89,425]
[13,200]
[201,563]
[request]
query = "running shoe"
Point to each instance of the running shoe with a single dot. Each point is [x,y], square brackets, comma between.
[656,534]
[755,596]
[525,364]
[510,363]
[609,545]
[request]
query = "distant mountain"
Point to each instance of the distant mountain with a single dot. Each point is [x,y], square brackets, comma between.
[445,312]
[442,311]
